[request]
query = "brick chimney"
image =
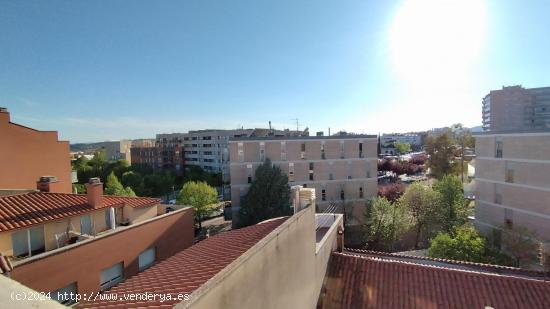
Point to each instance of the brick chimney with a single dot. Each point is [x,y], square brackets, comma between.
[94,192]
[48,184]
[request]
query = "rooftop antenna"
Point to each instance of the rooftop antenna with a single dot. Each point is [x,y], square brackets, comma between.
[297,124]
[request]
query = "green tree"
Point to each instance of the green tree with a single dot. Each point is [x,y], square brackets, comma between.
[200,196]
[385,224]
[453,203]
[402,148]
[114,187]
[268,196]
[441,152]
[135,181]
[465,244]
[423,205]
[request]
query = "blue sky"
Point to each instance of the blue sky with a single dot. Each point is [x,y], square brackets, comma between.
[106,70]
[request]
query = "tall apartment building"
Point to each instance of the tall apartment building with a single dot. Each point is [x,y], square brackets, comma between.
[516,108]
[26,154]
[342,169]
[513,182]
[209,149]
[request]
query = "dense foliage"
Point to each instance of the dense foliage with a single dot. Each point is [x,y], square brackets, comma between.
[453,204]
[402,148]
[268,196]
[466,244]
[139,178]
[114,187]
[385,222]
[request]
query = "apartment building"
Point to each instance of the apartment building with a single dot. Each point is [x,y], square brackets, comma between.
[342,169]
[59,242]
[209,149]
[26,154]
[516,108]
[513,182]
[148,156]
[170,152]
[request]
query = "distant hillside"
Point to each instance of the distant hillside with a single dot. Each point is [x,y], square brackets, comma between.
[86,147]
[476,129]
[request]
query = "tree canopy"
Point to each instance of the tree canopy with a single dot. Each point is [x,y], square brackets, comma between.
[423,205]
[452,201]
[200,196]
[441,152]
[114,187]
[402,148]
[464,245]
[268,196]
[385,223]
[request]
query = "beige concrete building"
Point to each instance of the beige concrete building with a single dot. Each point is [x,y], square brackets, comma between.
[513,182]
[342,169]
[516,108]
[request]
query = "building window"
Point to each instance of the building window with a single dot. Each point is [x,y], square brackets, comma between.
[63,295]
[304,185]
[262,151]
[360,192]
[290,171]
[86,225]
[330,176]
[342,150]
[509,175]
[311,175]
[240,152]
[249,172]
[360,150]
[111,276]
[303,151]
[323,195]
[342,196]
[283,151]
[350,170]
[147,258]
[498,147]
[509,218]
[28,242]
[498,195]
[323,150]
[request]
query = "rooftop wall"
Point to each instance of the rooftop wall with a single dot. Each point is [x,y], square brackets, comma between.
[284,270]
[26,154]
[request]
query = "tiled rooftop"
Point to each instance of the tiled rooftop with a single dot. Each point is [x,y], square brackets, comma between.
[187,270]
[355,281]
[24,210]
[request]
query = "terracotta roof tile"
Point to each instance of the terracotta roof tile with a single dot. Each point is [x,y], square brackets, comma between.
[24,210]
[369,282]
[187,270]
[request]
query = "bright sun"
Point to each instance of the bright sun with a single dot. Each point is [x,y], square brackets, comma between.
[431,40]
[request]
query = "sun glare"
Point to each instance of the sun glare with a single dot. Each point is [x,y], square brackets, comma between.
[434,39]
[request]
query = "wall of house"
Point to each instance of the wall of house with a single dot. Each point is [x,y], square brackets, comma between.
[28,154]
[83,262]
[282,269]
